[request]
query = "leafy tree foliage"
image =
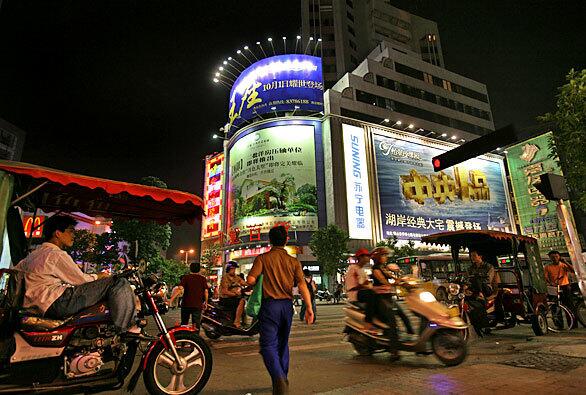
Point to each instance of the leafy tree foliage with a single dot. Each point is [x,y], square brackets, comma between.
[84,246]
[569,134]
[408,249]
[210,255]
[152,237]
[170,270]
[330,246]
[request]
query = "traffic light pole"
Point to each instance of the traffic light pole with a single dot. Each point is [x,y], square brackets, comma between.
[573,244]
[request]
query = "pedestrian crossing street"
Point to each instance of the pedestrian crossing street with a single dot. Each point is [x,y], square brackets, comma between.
[325,333]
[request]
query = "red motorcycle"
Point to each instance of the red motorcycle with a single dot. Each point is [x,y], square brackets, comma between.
[83,354]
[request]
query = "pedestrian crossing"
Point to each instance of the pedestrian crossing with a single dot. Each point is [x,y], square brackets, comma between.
[326,333]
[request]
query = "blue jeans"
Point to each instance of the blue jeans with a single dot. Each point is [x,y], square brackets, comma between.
[274,319]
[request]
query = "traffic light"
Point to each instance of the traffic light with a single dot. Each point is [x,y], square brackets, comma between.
[552,186]
[498,138]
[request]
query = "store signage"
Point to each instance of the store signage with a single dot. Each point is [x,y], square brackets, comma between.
[357,188]
[279,83]
[416,201]
[33,225]
[312,268]
[255,251]
[212,196]
[272,180]
[537,215]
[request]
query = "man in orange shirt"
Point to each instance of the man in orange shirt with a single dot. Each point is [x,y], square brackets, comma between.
[556,274]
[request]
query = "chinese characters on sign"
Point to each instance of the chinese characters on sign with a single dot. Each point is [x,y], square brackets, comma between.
[279,83]
[357,188]
[537,215]
[416,201]
[212,199]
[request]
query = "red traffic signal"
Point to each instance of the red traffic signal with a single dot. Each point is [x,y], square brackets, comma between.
[436,164]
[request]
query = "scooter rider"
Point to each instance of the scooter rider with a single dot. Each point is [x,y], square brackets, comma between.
[360,288]
[231,292]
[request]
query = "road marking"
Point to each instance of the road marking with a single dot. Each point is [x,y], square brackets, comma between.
[291,340]
[303,347]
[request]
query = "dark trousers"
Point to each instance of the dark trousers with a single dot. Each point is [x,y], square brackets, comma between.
[231,304]
[304,308]
[385,312]
[274,319]
[369,297]
[115,291]
[192,312]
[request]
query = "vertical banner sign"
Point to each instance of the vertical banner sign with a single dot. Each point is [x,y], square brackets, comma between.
[357,191]
[537,215]
[415,200]
[212,196]
[272,180]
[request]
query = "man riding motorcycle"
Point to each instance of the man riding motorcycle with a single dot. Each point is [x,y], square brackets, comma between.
[57,288]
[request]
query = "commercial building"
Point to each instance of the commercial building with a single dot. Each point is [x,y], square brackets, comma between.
[11,141]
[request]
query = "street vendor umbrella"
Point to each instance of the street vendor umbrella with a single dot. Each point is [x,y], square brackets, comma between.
[54,190]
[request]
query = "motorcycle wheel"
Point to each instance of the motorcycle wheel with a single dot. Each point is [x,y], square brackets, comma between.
[539,323]
[449,347]
[161,375]
[211,335]
[359,343]
[581,313]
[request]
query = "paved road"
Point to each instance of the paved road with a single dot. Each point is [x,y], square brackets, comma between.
[321,362]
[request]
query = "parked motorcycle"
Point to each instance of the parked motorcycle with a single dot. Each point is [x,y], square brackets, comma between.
[84,354]
[437,329]
[579,304]
[217,321]
[324,295]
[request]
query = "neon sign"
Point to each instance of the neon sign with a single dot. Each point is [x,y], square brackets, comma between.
[36,227]
[214,179]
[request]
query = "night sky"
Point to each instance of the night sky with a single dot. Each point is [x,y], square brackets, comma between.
[122,89]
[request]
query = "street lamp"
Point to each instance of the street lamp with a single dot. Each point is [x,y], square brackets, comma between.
[186,252]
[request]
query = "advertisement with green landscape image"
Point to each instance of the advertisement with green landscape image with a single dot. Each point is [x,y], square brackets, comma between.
[272,180]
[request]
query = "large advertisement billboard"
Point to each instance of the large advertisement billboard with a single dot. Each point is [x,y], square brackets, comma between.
[273,179]
[537,215]
[279,83]
[211,225]
[416,201]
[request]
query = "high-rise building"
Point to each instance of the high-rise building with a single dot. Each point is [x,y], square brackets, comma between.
[385,65]
[350,29]
[11,141]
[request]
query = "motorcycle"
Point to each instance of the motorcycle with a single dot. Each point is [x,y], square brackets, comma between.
[324,295]
[217,321]
[436,327]
[579,304]
[83,353]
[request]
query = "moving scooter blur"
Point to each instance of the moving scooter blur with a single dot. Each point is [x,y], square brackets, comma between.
[438,330]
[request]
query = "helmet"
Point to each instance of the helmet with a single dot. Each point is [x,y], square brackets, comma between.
[231,264]
[361,251]
[378,251]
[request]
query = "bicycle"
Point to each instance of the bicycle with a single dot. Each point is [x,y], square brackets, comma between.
[558,314]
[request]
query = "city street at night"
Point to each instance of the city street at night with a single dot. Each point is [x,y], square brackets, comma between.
[511,361]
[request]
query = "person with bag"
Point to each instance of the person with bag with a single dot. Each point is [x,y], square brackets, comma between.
[312,288]
[280,272]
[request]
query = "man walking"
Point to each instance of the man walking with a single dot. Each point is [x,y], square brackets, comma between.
[280,273]
[195,296]
[312,288]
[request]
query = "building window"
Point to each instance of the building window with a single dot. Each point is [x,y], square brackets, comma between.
[329,52]
[373,100]
[351,31]
[350,16]
[329,68]
[409,71]
[350,3]
[354,60]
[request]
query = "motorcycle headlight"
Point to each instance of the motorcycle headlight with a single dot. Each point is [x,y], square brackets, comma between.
[427,297]
[454,289]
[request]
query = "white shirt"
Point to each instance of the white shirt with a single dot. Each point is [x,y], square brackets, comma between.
[354,277]
[49,271]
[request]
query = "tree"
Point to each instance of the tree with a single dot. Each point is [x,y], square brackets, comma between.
[399,251]
[569,134]
[210,255]
[169,270]
[330,246]
[106,248]
[152,237]
[84,246]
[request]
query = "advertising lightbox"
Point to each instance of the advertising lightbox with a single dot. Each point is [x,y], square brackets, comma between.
[537,215]
[416,201]
[357,189]
[212,196]
[279,83]
[272,180]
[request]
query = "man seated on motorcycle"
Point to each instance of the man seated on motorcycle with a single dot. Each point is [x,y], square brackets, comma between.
[484,282]
[55,287]
[231,292]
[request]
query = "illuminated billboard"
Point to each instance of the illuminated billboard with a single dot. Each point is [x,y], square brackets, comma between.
[537,215]
[272,180]
[416,201]
[279,83]
[211,225]
[357,188]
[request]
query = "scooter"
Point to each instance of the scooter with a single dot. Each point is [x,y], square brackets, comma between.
[217,321]
[438,330]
